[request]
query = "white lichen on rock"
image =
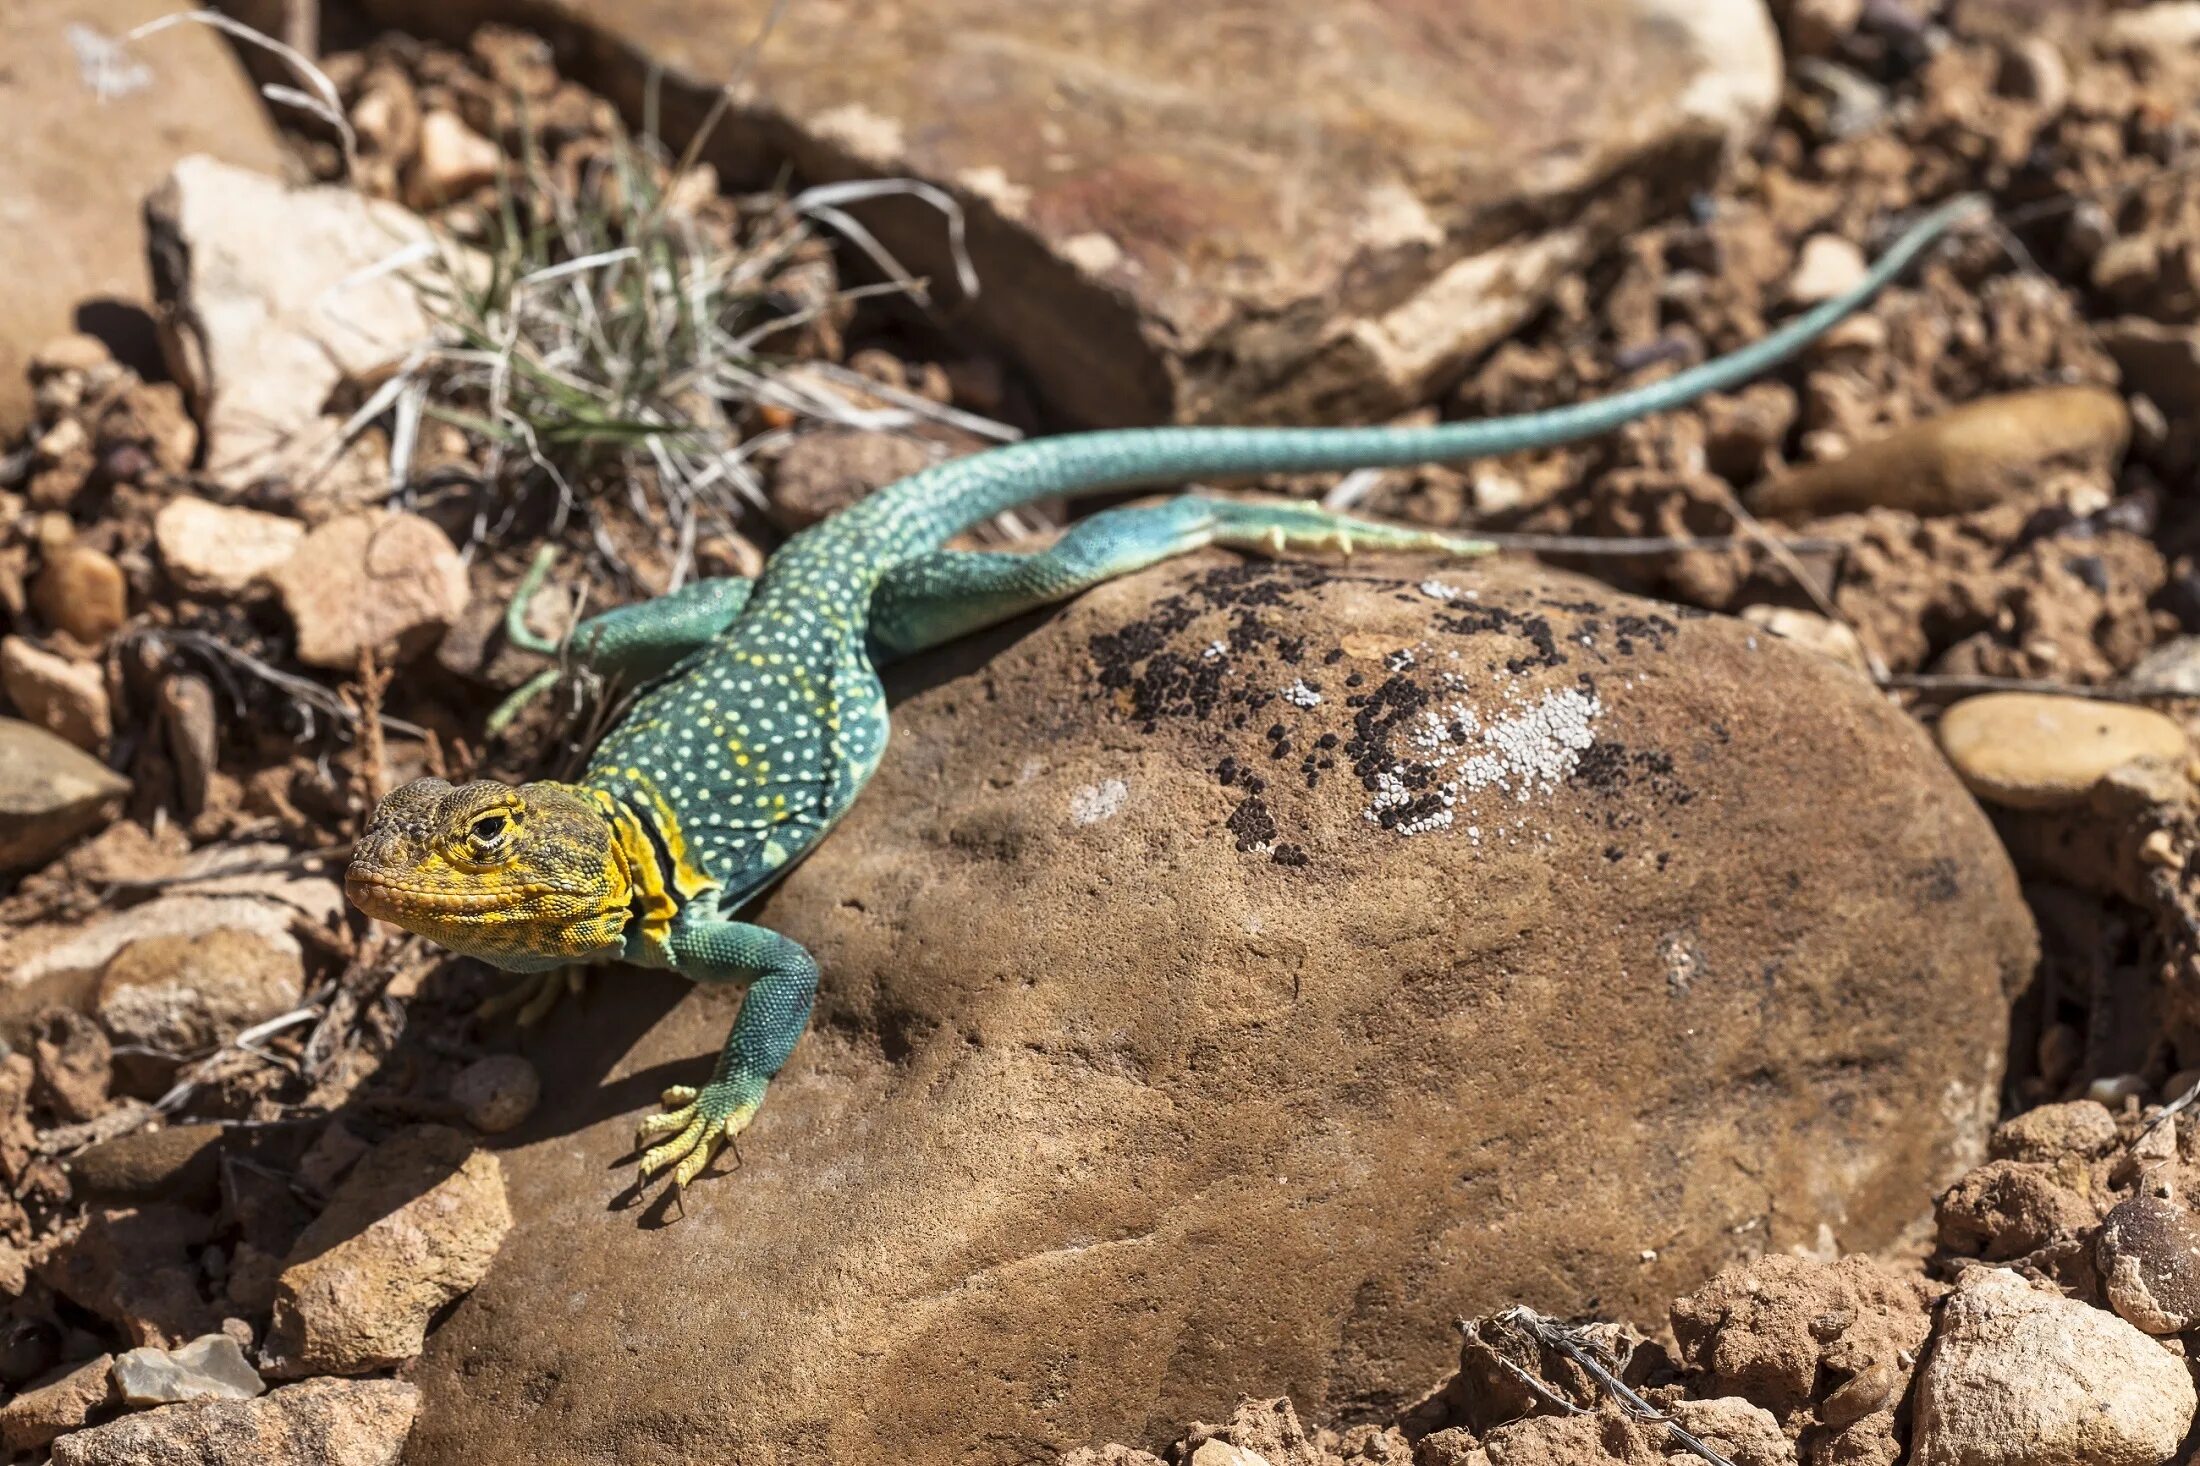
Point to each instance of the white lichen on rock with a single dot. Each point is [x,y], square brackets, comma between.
[1299,695]
[1528,750]
[1096,802]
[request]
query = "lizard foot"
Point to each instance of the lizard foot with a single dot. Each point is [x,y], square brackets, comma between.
[699,1121]
[1281,529]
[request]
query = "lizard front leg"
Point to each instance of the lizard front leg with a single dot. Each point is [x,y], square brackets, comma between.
[782,980]
[634,643]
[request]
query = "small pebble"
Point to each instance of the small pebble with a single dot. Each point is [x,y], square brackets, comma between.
[497,1093]
[2029,750]
[83,592]
[2113,1089]
[2148,1255]
[1869,1390]
[1826,266]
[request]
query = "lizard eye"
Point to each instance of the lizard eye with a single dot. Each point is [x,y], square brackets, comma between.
[489,833]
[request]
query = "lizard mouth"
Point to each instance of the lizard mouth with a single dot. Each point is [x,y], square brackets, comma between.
[391,900]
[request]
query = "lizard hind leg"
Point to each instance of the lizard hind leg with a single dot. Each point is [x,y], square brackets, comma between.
[938,597]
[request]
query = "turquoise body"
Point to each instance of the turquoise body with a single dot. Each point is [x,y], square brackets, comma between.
[765,715]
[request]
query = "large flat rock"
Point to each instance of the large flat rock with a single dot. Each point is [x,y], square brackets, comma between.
[75,167]
[1189,210]
[1602,947]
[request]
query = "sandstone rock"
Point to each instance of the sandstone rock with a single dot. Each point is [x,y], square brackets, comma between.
[269,310]
[497,1093]
[2032,750]
[388,581]
[83,592]
[177,1163]
[414,1226]
[210,1367]
[1739,1431]
[79,165]
[2018,1377]
[215,550]
[2008,1209]
[75,1064]
[1772,1329]
[50,793]
[43,1412]
[68,699]
[1967,458]
[134,1266]
[1143,1069]
[187,992]
[67,962]
[322,1422]
[1111,1455]
[2081,1128]
[2148,1254]
[453,161]
[824,472]
[1186,211]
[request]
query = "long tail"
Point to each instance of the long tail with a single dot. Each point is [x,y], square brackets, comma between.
[921,512]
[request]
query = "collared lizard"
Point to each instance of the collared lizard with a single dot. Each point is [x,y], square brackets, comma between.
[761,713]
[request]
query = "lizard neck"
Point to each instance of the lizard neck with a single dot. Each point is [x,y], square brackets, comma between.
[660,875]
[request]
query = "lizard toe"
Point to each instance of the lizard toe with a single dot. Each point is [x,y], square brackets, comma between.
[677,1148]
[673,1122]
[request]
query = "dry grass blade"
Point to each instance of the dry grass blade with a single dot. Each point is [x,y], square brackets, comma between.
[613,331]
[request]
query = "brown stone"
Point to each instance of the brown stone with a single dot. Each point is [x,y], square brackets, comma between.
[1184,211]
[824,472]
[1970,457]
[81,591]
[219,550]
[188,992]
[135,1267]
[68,699]
[1134,1081]
[414,1226]
[1774,1329]
[322,1422]
[76,169]
[173,1163]
[41,1413]
[2036,750]
[2148,1255]
[50,793]
[392,582]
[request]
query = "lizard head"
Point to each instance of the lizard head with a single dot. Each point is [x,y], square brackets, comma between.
[525,878]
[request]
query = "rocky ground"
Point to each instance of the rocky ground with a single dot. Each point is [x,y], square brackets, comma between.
[254,1149]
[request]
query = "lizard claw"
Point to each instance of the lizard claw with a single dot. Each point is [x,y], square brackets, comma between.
[698,1122]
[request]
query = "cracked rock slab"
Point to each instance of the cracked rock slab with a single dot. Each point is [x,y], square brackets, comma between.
[275,296]
[1199,211]
[1143,1067]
